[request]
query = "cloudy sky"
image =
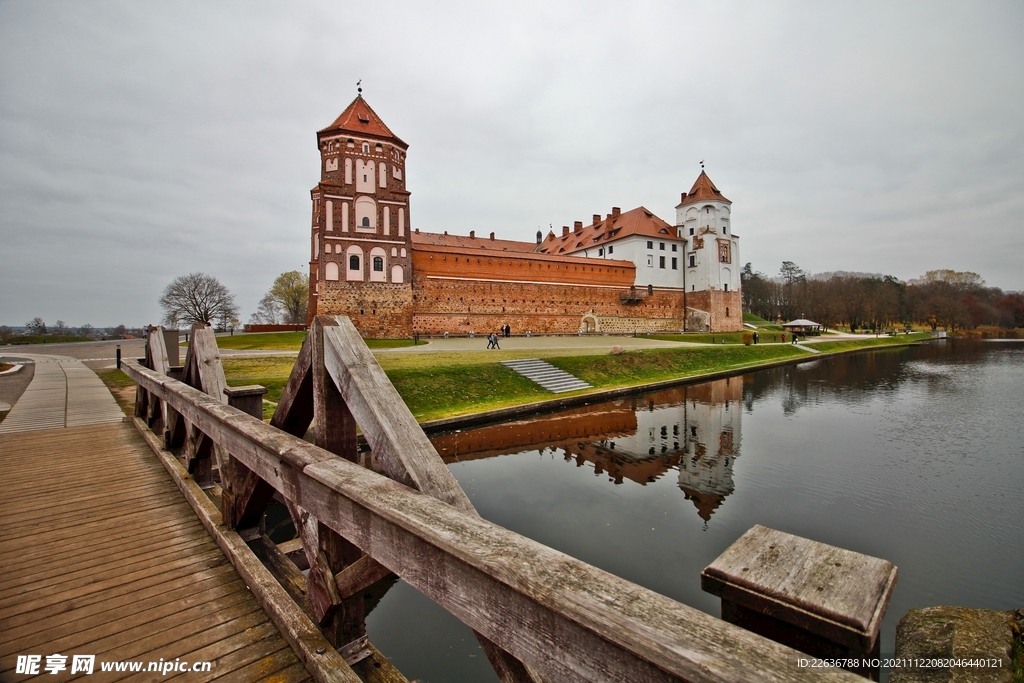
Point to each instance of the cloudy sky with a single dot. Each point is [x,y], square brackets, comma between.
[144,140]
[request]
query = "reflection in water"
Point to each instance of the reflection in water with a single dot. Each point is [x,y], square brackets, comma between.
[695,430]
[911,455]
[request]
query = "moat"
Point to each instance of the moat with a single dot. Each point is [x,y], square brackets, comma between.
[915,455]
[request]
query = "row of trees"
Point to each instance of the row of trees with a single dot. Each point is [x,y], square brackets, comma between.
[198,297]
[37,327]
[940,298]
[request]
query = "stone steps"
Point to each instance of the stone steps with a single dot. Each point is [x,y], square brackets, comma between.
[546,375]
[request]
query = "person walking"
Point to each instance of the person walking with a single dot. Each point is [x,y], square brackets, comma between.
[490,341]
[495,338]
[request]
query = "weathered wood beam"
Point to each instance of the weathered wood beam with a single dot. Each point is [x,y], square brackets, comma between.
[360,575]
[398,443]
[567,620]
[294,412]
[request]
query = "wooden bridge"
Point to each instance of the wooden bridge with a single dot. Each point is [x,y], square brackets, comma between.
[100,554]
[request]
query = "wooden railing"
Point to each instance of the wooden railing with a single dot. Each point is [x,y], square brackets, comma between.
[539,614]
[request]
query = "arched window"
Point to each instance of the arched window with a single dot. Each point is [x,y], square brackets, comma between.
[354,272]
[378,265]
[366,214]
[366,148]
[331,270]
[397,274]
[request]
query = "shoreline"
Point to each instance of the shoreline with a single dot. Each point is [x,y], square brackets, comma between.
[549,405]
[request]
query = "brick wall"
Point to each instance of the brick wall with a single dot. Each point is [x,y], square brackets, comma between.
[462,306]
[725,309]
[378,310]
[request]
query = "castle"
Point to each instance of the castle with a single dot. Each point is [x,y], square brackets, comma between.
[628,272]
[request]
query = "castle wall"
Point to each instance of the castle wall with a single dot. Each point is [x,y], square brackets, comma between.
[379,310]
[724,308]
[460,306]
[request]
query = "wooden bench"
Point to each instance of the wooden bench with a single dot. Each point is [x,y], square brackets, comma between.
[814,597]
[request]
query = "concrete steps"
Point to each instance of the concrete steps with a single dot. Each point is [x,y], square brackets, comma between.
[546,375]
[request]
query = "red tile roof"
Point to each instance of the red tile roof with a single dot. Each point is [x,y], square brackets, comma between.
[703,189]
[360,118]
[638,221]
[464,242]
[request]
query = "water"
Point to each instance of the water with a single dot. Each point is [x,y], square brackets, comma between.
[914,455]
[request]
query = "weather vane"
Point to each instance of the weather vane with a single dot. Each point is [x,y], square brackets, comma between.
[359,87]
[702,165]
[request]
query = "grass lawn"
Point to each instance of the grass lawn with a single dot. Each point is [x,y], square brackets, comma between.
[436,385]
[847,344]
[291,341]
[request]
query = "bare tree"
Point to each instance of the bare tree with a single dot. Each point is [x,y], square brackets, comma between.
[36,326]
[197,298]
[266,311]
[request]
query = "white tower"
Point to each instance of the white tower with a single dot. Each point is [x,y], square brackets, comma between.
[711,259]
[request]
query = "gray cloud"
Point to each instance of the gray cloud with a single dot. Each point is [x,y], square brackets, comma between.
[140,141]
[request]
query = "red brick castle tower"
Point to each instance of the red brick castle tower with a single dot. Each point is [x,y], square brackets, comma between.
[361,248]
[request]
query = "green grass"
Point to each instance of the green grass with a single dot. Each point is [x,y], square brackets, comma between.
[436,385]
[263,341]
[751,318]
[115,378]
[848,344]
[644,367]
[700,337]
[291,341]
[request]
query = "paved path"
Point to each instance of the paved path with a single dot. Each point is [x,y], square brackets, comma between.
[63,393]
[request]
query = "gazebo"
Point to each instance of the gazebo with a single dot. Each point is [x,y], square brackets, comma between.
[803,326]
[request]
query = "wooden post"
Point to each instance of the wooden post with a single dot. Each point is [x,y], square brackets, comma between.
[342,618]
[816,598]
[241,483]
[397,442]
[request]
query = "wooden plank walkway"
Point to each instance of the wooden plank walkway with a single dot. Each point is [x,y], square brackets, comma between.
[101,555]
[63,393]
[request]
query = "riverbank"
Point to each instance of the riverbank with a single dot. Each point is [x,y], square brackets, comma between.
[451,389]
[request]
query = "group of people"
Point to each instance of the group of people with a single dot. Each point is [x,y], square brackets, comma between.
[492,338]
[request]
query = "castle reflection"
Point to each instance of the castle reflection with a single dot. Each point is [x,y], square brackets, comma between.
[693,430]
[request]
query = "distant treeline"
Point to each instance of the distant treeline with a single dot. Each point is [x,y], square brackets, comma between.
[946,299]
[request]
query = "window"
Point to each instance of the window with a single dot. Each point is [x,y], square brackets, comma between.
[610,249]
[661,261]
[674,247]
[366,148]
[693,261]
[378,264]
[726,309]
[600,252]
[675,263]
[661,246]
[353,262]
[727,289]
[366,221]
[691,231]
[725,230]
[650,244]
[650,261]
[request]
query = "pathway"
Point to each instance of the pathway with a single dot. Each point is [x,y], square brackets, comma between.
[63,393]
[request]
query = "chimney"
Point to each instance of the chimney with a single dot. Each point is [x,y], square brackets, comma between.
[683,198]
[565,230]
[577,226]
[472,234]
[616,211]
[609,217]
[492,236]
[597,218]
[417,231]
